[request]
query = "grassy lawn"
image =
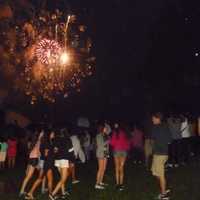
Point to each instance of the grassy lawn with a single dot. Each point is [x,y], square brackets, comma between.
[140,185]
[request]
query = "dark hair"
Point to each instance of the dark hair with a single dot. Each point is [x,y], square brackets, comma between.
[100,128]
[158,115]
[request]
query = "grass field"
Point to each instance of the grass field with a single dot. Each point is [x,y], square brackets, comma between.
[140,185]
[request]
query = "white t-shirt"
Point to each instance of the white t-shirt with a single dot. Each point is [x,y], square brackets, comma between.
[78,152]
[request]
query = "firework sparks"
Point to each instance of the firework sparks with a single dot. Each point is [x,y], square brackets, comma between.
[47,51]
[53,56]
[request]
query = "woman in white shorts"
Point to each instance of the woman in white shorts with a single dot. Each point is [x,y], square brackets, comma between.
[63,152]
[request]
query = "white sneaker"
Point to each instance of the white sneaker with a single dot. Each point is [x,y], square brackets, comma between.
[75,182]
[99,187]
[103,184]
[176,165]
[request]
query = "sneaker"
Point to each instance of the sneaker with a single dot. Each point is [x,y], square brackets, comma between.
[167,191]
[176,165]
[170,165]
[22,194]
[66,193]
[99,187]
[75,181]
[28,196]
[51,197]
[163,197]
[103,184]
[121,187]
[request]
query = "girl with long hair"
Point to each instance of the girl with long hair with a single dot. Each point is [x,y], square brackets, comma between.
[34,149]
[63,153]
[120,144]
[47,169]
[102,154]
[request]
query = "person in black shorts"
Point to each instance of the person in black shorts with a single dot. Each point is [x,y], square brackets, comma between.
[34,154]
[47,155]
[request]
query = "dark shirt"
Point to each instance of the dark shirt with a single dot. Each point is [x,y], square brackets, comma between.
[50,157]
[162,137]
[63,147]
[42,151]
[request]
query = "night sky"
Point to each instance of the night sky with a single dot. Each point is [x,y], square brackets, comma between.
[148,58]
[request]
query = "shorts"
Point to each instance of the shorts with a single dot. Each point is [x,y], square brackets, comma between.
[33,162]
[158,165]
[120,153]
[41,164]
[62,163]
[2,156]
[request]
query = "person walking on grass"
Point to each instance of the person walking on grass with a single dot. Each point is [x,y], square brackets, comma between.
[63,149]
[162,138]
[120,144]
[102,154]
[34,155]
[47,155]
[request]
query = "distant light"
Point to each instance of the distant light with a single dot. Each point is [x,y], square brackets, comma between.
[196,54]
[64,58]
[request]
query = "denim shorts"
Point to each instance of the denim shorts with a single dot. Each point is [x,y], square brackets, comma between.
[120,153]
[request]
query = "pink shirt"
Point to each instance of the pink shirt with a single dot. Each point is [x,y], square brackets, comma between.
[119,142]
[35,153]
[12,148]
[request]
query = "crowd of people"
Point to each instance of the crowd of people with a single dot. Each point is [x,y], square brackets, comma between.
[162,143]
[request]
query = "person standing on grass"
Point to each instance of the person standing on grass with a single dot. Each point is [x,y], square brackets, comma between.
[87,144]
[12,151]
[148,142]
[137,145]
[162,138]
[102,154]
[120,144]
[3,152]
[78,154]
[63,155]
[34,155]
[185,141]
[46,170]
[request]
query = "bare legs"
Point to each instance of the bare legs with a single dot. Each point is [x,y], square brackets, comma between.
[29,173]
[102,163]
[11,162]
[64,173]
[40,180]
[119,169]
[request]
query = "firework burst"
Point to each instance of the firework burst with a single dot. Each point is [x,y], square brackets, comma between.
[47,51]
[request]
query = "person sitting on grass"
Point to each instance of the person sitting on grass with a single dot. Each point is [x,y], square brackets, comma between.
[161,137]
